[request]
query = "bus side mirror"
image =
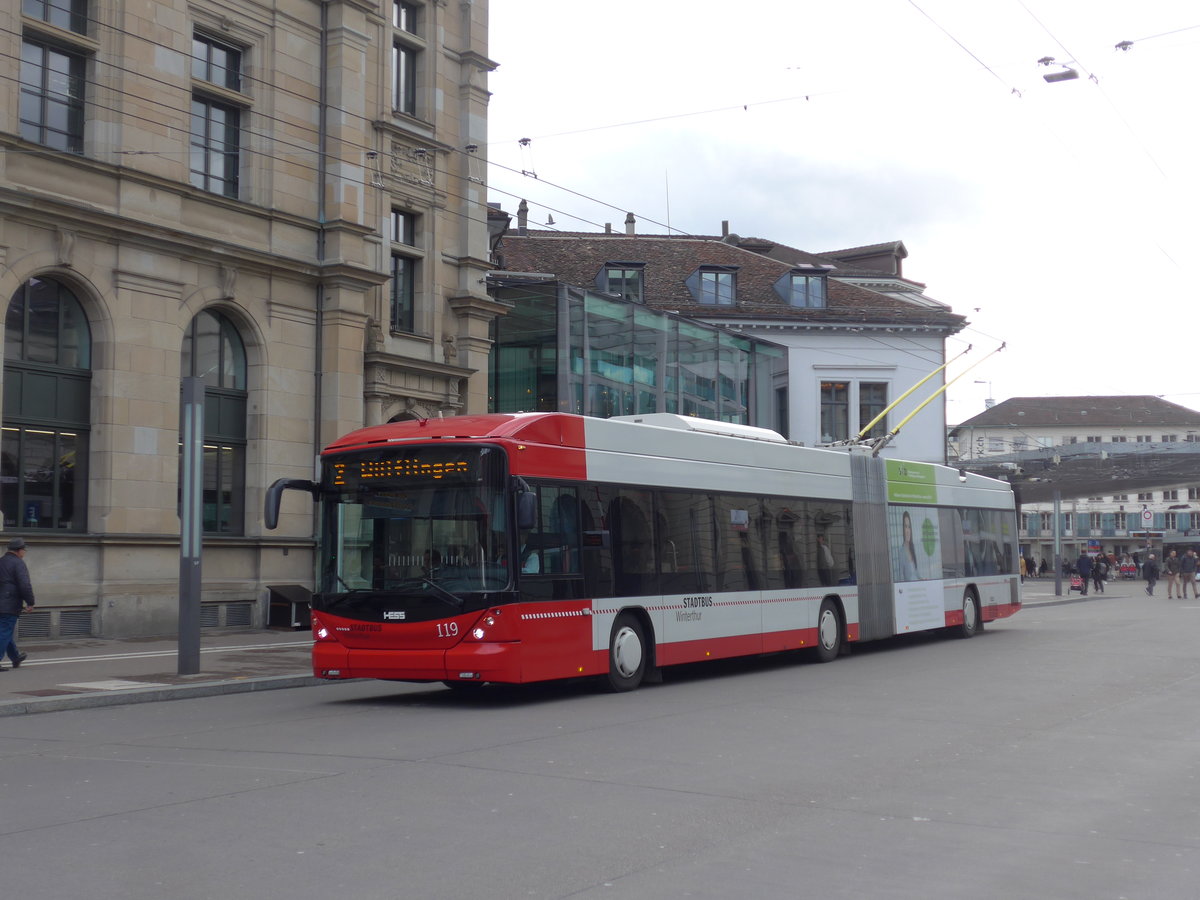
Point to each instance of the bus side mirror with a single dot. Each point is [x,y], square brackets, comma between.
[275,492]
[526,510]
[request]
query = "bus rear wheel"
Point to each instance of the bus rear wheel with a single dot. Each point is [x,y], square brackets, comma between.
[626,654]
[972,624]
[829,632]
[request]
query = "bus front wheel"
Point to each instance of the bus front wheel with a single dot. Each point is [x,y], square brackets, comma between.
[626,654]
[972,624]
[829,632]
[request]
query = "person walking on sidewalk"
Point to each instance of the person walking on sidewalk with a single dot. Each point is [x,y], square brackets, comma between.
[1150,573]
[1083,566]
[1187,574]
[1171,564]
[1099,573]
[16,594]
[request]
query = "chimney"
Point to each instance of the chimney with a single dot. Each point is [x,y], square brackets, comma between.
[608,227]
[724,228]
[522,217]
[630,221]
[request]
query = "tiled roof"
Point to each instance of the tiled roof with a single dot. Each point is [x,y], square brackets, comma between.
[576,258]
[1102,412]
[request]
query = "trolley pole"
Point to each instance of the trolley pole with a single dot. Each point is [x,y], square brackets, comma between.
[190,525]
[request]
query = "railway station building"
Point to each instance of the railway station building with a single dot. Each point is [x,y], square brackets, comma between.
[284,199]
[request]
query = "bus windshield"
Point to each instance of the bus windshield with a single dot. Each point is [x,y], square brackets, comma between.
[416,521]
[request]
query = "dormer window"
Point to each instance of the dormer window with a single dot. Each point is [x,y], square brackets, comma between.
[804,287]
[714,285]
[623,279]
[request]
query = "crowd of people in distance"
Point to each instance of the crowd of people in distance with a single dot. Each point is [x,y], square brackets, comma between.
[1180,570]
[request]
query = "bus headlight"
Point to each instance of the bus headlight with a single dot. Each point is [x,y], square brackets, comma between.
[492,626]
[320,630]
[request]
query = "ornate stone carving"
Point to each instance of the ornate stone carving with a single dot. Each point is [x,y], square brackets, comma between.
[64,248]
[374,336]
[228,282]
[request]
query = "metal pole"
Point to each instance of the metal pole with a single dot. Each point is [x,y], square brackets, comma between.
[191,478]
[1057,543]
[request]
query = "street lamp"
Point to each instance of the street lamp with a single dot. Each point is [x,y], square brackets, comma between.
[989,402]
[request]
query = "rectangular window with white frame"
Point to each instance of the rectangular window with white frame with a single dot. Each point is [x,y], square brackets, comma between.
[716,287]
[625,281]
[407,49]
[807,291]
[69,15]
[53,80]
[1119,521]
[835,411]
[406,262]
[872,401]
[218,110]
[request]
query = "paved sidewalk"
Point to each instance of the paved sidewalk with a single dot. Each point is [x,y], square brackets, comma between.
[1041,590]
[72,674]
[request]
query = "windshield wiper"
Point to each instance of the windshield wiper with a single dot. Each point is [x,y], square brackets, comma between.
[429,582]
[350,591]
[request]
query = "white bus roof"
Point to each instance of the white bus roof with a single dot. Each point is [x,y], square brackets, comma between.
[706,426]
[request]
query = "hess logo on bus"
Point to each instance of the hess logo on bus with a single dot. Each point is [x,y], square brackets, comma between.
[393,615]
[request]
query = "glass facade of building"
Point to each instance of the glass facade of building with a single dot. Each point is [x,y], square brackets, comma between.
[566,349]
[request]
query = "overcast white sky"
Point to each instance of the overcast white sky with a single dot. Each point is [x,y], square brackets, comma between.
[1061,220]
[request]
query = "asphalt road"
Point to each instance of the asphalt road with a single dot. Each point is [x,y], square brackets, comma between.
[1054,756]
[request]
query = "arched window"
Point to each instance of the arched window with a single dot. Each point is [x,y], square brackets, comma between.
[213,352]
[47,409]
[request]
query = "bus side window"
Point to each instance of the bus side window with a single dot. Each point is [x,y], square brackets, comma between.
[783,525]
[564,529]
[686,548]
[739,543]
[634,569]
[597,501]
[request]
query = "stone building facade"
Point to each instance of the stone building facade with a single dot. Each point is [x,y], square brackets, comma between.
[282,198]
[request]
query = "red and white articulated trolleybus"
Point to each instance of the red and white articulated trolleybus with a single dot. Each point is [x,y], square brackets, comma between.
[534,546]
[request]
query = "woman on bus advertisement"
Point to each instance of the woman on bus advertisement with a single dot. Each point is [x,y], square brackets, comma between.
[914,543]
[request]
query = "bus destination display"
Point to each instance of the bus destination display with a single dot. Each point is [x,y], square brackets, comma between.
[384,471]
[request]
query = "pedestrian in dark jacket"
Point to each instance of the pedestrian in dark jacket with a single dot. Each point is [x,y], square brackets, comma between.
[1099,573]
[1187,574]
[1083,566]
[1150,573]
[16,594]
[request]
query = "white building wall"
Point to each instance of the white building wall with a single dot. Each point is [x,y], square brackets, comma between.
[898,361]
